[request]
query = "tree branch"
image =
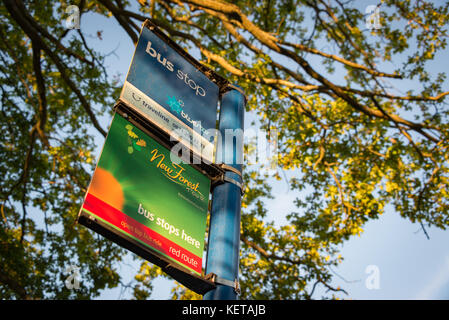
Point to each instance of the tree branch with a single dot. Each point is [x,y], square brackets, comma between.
[42,114]
[341,60]
[116,12]
[14,286]
[17,15]
[265,254]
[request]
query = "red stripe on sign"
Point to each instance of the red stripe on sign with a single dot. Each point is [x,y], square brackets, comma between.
[142,232]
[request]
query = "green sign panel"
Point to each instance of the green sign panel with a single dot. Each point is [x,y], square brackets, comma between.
[140,192]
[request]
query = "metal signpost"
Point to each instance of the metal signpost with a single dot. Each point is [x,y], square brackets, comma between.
[153,200]
[224,229]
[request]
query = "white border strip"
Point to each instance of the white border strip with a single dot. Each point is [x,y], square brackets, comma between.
[158,115]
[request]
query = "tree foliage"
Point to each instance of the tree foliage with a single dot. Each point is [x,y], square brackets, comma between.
[363,124]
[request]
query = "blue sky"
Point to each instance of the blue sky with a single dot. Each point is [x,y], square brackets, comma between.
[410,266]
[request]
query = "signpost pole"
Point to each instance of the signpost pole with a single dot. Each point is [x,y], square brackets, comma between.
[224,231]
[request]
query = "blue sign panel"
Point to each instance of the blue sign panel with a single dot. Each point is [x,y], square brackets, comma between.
[171,92]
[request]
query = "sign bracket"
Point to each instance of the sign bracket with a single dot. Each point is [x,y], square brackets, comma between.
[224,178]
[225,282]
[225,167]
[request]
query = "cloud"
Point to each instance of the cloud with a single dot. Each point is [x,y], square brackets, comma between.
[436,286]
